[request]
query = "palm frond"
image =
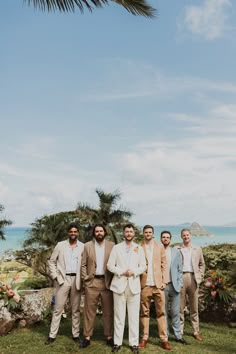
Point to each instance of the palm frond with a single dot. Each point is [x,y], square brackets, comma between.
[135,7]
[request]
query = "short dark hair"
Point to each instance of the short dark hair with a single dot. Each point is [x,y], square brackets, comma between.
[148,227]
[185,229]
[73,225]
[166,232]
[99,225]
[129,225]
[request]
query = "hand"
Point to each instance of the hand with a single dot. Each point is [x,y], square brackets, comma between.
[163,285]
[130,273]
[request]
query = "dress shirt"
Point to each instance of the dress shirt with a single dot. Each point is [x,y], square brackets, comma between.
[71,258]
[149,252]
[168,263]
[99,251]
[187,259]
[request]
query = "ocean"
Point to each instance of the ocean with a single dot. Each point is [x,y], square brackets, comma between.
[16,235]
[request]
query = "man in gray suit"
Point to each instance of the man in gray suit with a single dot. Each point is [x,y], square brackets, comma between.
[174,284]
[193,272]
[65,268]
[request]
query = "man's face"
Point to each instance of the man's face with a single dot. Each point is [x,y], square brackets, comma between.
[186,237]
[99,233]
[129,234]
[165,239]
[73,233]
[148,234]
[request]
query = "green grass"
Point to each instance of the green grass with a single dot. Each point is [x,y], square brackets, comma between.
[216,339]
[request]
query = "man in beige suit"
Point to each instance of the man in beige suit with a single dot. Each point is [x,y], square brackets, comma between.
[65,267]
[127,262]
[193,272]
[97,280]
[153,283]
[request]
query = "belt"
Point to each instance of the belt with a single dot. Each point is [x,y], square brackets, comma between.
[187,272]
[99,276]
[71,274]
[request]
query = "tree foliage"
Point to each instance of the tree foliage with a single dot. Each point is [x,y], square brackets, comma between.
[3,223]
[135,7]
[113,217]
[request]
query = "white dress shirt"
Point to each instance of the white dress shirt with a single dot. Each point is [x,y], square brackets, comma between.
[99,251]
[149,252]
[187,259]
[71,258]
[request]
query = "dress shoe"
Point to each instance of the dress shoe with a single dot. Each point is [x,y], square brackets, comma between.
[134,349]
[166,345]
[143,343]
[84,343]
[197,337]
[110,342]
[115,348]
[50,340]
[77,339]
[181,340]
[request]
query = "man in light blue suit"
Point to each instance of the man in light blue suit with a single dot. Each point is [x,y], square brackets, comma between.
[174,285]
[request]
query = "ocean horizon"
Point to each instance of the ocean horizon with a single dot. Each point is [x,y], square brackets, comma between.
[220,234]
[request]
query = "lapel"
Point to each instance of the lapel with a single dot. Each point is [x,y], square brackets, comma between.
[64,247]
[106,255]
[93,253]
[145,251]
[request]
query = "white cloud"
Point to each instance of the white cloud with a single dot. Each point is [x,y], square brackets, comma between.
[208,20]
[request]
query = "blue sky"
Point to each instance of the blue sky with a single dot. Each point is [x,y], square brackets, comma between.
[113,101]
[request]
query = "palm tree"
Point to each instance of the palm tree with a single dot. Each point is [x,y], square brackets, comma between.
[111,217]
[3,223]
[135,7]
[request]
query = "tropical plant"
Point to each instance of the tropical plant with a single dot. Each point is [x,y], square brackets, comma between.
[8,294]
[215,295]
[135,7]
[3,223]
[107,213]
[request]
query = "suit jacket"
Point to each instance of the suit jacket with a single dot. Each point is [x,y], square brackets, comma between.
[89,263]
[118,264]
[176,269]
[158,265]
[57,263]
[197,263]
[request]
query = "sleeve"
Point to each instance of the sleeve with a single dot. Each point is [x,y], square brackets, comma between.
[52,263]
[201,264]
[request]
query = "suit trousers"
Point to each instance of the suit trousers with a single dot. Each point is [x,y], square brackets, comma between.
[98,291]
[172,302]
[189,288]
[68,288]
[132,302]
[147,294]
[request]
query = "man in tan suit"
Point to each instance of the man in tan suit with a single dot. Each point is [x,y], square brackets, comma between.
[193,272]
[127,262]
[153,283]
[97,280]
[65,267]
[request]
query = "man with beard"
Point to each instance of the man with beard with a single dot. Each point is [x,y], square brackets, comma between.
[127,262]
[153,283]
[65,267]
[193,272]
[97,281]
[173,286]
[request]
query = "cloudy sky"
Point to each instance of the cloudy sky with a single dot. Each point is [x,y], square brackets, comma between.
[113,101]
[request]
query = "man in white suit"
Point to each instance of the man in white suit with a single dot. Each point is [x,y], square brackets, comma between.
[127,262]
[65,268]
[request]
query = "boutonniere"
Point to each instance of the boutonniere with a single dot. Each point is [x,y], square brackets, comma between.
[136,249]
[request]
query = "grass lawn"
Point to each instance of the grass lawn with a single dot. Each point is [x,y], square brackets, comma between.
[216,339]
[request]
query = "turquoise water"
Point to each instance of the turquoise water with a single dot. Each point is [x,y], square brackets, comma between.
[16,235]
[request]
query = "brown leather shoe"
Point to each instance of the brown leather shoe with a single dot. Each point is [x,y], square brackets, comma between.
[197,337]
[166,345]
[142,344]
